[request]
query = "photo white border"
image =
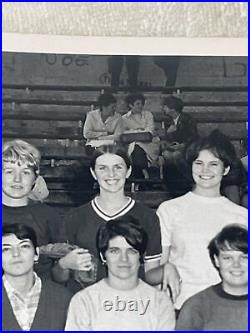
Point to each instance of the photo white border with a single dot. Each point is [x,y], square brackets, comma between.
[36,43]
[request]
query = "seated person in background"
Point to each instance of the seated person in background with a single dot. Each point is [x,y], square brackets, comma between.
[20,173]
[121,301]
[103,125]
[180,129]
[28,303]
[222,307]
[138,120]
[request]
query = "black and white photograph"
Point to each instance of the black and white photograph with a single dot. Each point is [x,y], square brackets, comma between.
[124,185]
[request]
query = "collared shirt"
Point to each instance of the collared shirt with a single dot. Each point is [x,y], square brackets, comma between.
[143,121]
[24,306]
[175,120]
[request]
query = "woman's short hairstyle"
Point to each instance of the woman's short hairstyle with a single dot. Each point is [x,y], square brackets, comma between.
[127,227]
[21,231]
[217,143]
[23,152]
[233,237]
[173,102]
[105,100]
[110,149]
[131,98]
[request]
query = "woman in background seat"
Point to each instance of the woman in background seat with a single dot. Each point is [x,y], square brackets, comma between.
[138,120]
[103,125]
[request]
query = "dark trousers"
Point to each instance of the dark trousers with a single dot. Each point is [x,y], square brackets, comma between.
[139,161]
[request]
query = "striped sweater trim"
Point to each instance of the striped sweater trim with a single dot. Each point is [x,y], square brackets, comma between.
[107,217]
[153,257]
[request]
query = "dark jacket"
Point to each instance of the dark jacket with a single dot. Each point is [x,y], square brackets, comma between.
[186,129]
[51,311]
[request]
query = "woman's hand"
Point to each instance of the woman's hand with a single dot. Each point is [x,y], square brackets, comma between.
[172,279]
[78,259]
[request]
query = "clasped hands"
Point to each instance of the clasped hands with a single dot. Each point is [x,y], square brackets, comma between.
[78,259]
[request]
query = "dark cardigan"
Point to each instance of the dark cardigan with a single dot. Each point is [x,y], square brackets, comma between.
[51,311]
[186,129]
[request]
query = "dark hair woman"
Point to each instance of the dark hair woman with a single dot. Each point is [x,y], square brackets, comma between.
[138,120]
[104,124]
[189,222]
[110,167]
[223,306]
[121,244]
[28,302]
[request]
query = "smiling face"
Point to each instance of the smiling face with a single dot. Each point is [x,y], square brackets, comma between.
[122,260]
[207,172]
[18,256]
[137,106]
[111,172]
[17,181]
[233,267]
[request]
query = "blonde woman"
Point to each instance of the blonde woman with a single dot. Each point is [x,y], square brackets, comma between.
[20,176]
